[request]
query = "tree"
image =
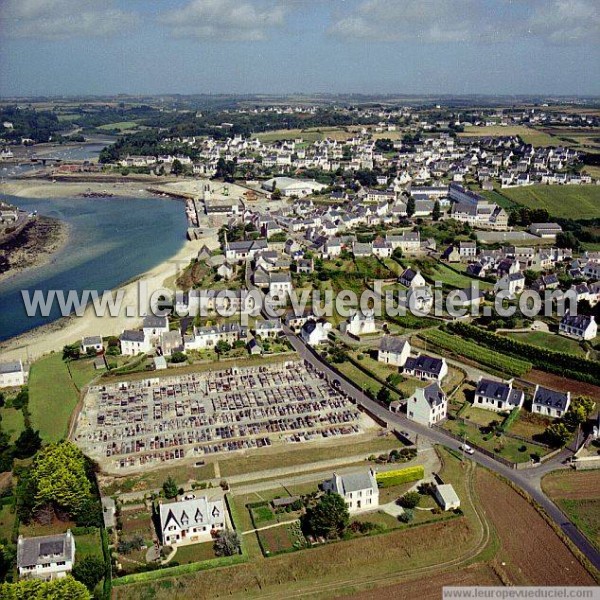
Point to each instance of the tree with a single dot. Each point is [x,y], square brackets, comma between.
[177,167]
[71,352]
[27,444]
[56,482]
[227,543]
[397,253]
[37,589]
[410,206]
[178,357]
[410,500]
[329,517]
[2,400]
[557,435]
[222,346]
[407,516]
[89,570]
[436,213]
[579,411]
[170,488]
[383,395]
[21,399]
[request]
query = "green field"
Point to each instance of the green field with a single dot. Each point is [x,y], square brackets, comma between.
[528,135]
[121,126]
[52,397]
[571,202]
[549,341]
[89,544]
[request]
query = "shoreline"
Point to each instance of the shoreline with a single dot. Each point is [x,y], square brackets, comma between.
[31,252]
[53,336]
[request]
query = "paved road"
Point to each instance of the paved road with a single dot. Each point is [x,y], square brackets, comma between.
[528,479]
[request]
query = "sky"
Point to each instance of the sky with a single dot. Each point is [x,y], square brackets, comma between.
[66,47]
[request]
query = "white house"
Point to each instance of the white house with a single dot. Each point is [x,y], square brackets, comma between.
[393,351]
[46,557]
[513,283]
[154,326]
[315,332]
[210,335]
[93,342]
[12,374]
[358,489]
[269,328]
[581,327]
[134,342]
[497,395]
[411,278]
[191,521]
[446,496]
[280,286]
[549,402]
[426,367]
[360,323]
[427,405]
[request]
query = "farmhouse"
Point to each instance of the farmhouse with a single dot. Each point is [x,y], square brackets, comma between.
[427,405]
[497,395]
[550,402]
[191,521]
[12,374]
[46,557]
[358,489]
[393,351]
[581,327]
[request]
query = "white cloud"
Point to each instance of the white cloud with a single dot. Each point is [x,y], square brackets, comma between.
[566,21]
[225,19]
[439,21]
[59,19]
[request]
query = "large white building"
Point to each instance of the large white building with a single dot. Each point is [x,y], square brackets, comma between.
[46,557]
[360,323]
[134,342]
[358,489]
[289,186]
[191,521]
[12,374]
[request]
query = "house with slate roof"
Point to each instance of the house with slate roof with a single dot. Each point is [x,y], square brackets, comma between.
[549,402]
[191,521]
[46,557]
[359,489]
[497,395]
[427,405]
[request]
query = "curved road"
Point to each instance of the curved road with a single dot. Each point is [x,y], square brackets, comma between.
[527,479]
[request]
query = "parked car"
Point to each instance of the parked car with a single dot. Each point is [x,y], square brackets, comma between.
[466,448]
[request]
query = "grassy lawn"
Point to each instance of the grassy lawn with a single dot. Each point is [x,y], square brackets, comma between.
[506,447]
[365,382]
[55,527]
[194,553]
[12,422]
[52,397]
[560,201]
[155,478]
[89,544]
[290,457]
[378,518]
[7,521]
[480,416]
[446,275]
[550,341]
[82,372]
[529,425]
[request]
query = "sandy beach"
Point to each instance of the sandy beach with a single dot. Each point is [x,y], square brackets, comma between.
[54,336]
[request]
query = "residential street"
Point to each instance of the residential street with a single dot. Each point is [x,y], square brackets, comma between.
[528,479]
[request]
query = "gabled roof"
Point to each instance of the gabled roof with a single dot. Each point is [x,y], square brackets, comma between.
[393,344]
[551,398]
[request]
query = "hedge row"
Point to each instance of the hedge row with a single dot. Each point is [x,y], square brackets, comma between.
[551,361]
[514,413]
[390,478]
[468,349]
